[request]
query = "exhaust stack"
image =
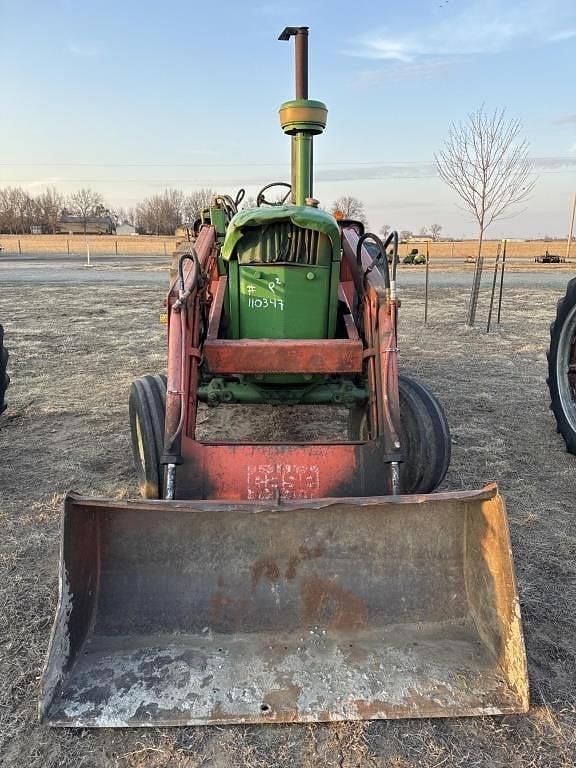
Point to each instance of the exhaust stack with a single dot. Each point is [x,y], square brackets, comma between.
[302,118]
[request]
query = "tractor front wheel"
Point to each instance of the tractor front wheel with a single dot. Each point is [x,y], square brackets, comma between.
[424,436]
[562,367]
[146,407]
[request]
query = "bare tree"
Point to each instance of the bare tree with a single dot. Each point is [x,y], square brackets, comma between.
[350,207]
[248,202]
[85,203]
[18,210]
[385,230]
[196,202]
[160,214]
[435,230]
[485,162]
[49,206]
[405,234]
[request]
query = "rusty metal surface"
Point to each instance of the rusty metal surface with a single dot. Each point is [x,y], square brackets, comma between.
[205,612]
[283,355]
[266,471]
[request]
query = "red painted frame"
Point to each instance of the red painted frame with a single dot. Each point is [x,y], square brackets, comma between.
[236,471]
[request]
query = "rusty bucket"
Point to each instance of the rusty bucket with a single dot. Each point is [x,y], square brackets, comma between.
[185,613]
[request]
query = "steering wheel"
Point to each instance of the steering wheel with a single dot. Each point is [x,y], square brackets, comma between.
[261,200]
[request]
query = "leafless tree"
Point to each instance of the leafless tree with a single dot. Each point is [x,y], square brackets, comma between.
[49,206]
[248,202]
[160,214]
[486,163]
[435,230]
[405,234]
[196,202]
[17,210]
[351,208]
[385,230]
[85,203]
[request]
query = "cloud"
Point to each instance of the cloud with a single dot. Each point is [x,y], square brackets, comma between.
[482,27]
[423,170]
[372,171]
[567,34]
[565,120]
[400,72]
[573,148]
[44,182]
[84,51]
[554,163]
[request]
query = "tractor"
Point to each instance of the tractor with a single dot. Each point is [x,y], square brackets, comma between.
[285,581]
[562,367]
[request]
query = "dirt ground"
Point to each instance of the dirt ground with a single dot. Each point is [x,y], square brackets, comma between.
[74,351]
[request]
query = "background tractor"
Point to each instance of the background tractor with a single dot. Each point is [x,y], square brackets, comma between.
[285,581]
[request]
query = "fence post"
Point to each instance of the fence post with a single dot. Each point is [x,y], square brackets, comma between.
[165,254]
[68,246]
[116,246]
[496,262]
[501,280]
[19,247]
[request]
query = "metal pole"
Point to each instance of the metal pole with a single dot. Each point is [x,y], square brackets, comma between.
[493,287]
[87,253]
[501,280]
[476,280]
[302,63]
[426,285]
[571,228]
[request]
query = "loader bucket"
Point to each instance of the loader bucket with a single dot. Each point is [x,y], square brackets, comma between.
[187,613]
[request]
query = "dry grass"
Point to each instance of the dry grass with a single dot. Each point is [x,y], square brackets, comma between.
[73,356]
[524,251]
[76,244]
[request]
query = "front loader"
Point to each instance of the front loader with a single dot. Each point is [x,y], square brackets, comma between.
[285,581]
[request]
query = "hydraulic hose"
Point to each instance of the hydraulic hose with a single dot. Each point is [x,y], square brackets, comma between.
[381,256]
[180,306]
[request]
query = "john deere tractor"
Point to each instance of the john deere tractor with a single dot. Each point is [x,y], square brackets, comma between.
[285,581]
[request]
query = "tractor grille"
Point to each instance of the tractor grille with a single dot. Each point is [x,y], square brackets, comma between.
[287,243]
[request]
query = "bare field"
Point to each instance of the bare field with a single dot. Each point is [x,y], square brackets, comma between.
[458,252]
[76,244]
[521,252]
[73,355]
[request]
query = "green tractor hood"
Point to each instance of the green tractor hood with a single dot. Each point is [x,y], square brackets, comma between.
[303,216]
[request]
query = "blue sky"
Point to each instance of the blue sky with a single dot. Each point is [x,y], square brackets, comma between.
[131,97]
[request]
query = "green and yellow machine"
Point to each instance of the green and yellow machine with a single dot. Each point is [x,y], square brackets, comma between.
[285,581]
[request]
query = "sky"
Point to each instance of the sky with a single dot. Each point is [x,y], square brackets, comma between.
[129,98]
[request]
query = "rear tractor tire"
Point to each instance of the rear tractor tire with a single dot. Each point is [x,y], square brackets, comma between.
[562,367]
[424,436]
[146,408]
[4,378]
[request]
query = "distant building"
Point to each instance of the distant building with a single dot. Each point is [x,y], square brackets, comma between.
[126,229]
[93,225]
[36,229]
